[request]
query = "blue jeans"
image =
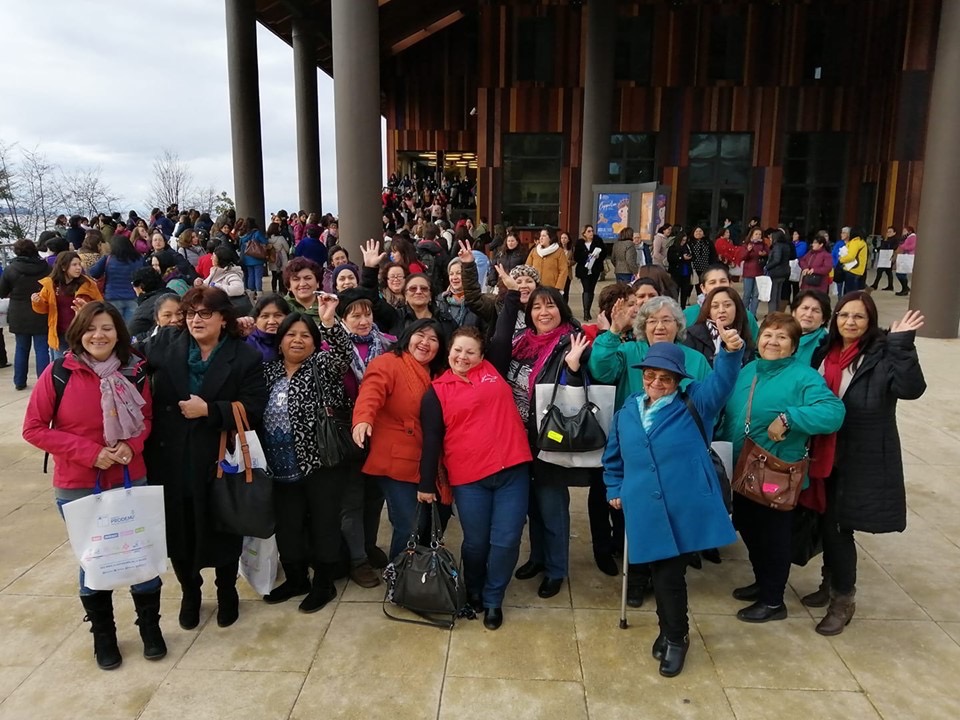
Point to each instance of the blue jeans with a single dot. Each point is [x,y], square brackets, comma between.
[21,357]
[624,277]
[253,277]
[57,354]
[549,513]
[126,307]
[751,297]
[492,513]
[147,586]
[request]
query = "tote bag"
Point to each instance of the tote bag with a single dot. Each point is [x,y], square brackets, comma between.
[764,288]
[569,400]
[119,536]
[904,264]
[258,563]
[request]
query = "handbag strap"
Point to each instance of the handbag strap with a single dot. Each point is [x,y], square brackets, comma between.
[127,483]
[746,423]
[242,428]
[696,416]
[561,371]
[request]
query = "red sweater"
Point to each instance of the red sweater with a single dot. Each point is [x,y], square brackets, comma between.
[77,438]
[476,422]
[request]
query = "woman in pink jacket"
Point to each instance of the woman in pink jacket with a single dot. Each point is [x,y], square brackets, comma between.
[100,372]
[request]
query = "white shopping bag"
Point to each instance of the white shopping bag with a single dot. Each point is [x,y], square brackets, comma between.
[724,450]
[885,259]
[119,536]
[904,264]
[764,288]
[233,459]
[258,563]
[794,271]
[569,401]
[4,309]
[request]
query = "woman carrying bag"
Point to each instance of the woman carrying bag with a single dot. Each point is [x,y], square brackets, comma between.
[489,472]
[102,372]
[302,383]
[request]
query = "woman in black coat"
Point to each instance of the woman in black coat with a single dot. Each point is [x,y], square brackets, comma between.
[870,371]
[196,374]
[20,280]
[722,307]
[589,254]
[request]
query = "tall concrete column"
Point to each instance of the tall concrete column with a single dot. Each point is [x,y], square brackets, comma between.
[935,290]
[244,86]
[308,116]
[597,104]
[356,96]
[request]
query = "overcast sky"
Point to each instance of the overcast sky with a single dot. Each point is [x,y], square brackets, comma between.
[110,83]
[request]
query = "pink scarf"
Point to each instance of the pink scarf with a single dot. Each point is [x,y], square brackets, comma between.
[529,344]
[120,401]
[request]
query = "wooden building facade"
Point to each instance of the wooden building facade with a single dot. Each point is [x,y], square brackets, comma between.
[808,112]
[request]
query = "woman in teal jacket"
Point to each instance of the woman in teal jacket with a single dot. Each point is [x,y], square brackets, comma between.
[656,468]
[615,362]
[811,308]
[788,402]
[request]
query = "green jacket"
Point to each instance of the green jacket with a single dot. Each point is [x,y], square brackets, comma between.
[783,386]
[691,312]
[809,343]
[313,311]
[614,363]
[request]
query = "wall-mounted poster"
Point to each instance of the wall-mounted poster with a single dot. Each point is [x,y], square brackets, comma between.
[613,214]
[646,216]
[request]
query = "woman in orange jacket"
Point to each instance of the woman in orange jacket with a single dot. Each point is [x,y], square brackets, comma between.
[387,412]
[61,295]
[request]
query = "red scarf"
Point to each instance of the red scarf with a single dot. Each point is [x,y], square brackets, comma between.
[823,448]
[539,347]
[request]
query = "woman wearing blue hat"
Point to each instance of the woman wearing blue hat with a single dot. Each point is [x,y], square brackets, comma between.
[656,468]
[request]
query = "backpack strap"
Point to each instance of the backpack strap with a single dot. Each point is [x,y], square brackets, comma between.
[61,375]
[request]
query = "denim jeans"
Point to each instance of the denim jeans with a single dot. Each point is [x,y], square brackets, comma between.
[751,297]
[401,500]
[492,512]
[624,277]
[55,353]
[63,497]
[21,357]
[549,514]
[126,307]
[253,277]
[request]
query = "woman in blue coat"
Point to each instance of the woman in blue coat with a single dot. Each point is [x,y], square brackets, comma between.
[656,468]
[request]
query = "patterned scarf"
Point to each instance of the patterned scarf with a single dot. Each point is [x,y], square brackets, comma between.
[376,342]
[120,401]
[529,345]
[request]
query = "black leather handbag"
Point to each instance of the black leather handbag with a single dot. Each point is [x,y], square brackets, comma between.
[425,579]
[571,433]
[242,501]
[334,436]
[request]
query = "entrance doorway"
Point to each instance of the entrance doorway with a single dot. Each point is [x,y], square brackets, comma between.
[720,165]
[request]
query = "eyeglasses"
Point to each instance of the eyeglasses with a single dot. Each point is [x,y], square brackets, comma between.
[204,314]
[654,322]
[856,317]
[663,378]
[416,289]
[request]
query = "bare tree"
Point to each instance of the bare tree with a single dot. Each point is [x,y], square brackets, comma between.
[37,179]
[172,182]
[10,226]
[84,192]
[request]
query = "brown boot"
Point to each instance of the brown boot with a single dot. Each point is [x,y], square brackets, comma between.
[821,596]
[839,614]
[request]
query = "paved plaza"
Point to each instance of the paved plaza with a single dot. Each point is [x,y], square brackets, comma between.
[559,658]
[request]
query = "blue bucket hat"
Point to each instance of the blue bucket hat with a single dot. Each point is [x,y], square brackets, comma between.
[665,356]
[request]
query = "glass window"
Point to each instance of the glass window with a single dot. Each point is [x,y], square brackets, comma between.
[813,179]
[632,157]
[531,179]
[634,45]
[534,50]
[719,171]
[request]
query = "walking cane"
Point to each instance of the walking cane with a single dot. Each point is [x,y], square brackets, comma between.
[623,590]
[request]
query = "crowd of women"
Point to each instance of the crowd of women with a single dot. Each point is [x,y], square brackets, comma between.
[441,386]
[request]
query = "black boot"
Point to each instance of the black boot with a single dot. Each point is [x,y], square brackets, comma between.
[638,584]
[322,590]
[587,304]
[148,621]
[190,583]
[99,609]
[228,602]
[296,583]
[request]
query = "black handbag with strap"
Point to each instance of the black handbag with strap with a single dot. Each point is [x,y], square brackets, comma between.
[334,437]
[571,433]
[426,579]
[718,465]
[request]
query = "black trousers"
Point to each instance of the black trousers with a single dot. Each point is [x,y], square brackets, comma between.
[685,285]
[670,591]
[606,524]
[767,534]
[308,516]
[880,273]
[839,549]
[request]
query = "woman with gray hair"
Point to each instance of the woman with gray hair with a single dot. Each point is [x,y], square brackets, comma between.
[615,362]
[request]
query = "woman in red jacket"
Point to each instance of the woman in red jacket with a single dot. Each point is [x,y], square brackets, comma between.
[387,412]
[99,371]
[489,473]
